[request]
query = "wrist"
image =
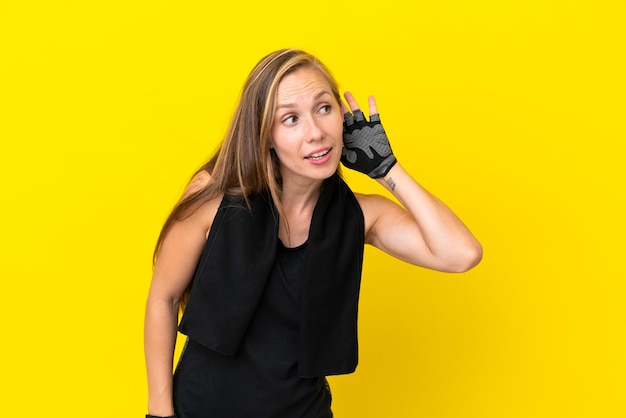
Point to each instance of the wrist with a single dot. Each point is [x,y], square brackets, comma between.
[161,407]
[161,413]
[383,168]
[390,179]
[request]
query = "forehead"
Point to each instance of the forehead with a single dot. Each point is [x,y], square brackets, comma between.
[301,83]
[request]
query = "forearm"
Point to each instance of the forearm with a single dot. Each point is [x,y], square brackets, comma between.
[159,341]
[445,235]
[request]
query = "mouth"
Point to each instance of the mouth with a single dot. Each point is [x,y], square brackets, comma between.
[317,155]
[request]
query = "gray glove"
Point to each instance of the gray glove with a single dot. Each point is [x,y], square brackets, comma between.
[365,145]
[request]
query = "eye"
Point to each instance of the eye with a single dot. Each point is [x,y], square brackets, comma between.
[325,109]
[290,120]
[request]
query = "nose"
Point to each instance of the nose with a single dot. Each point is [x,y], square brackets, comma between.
[314,130]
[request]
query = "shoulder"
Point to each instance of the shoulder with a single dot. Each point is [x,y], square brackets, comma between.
[368,203]
[374,204]
[199,181]
[376,209]
[203,213]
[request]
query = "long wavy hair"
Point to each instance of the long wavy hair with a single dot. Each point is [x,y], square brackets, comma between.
[243,164]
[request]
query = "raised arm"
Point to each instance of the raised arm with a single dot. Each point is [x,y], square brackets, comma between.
[423,231]
[173,271]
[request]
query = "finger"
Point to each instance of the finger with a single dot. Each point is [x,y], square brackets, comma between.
[372,105]
[344,108]
[351,101]
[359,116]
[348,119]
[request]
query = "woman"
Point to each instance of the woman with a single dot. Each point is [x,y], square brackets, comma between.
[271,239]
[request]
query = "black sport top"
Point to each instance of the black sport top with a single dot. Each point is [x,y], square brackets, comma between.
[261,380]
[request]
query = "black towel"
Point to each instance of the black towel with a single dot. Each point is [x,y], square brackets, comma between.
[237,260]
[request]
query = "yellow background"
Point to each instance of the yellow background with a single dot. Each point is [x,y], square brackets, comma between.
[512,112]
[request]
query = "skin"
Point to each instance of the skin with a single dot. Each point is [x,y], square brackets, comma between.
[308,123]
[307,138]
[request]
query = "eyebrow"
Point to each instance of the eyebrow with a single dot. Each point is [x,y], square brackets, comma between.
[293,104]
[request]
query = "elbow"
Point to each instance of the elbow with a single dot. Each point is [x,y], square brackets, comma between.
[468,259]
[473,257]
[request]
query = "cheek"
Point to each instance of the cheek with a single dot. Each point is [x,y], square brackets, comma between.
[281,144]
[338,126]
[278,137]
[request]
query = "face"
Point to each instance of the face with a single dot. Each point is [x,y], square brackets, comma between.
[307,133]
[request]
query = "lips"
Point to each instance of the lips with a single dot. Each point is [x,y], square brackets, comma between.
[317,155]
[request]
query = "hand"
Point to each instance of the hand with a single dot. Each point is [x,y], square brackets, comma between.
[366,147]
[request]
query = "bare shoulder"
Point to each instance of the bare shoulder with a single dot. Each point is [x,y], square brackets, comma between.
[184,240]
[199,181]
[375,208]
[368,202]
[202,215]
[373,204]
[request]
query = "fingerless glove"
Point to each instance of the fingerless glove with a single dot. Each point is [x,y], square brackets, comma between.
[366,147]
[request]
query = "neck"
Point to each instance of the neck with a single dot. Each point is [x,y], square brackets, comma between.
[300,196]
[298,203]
